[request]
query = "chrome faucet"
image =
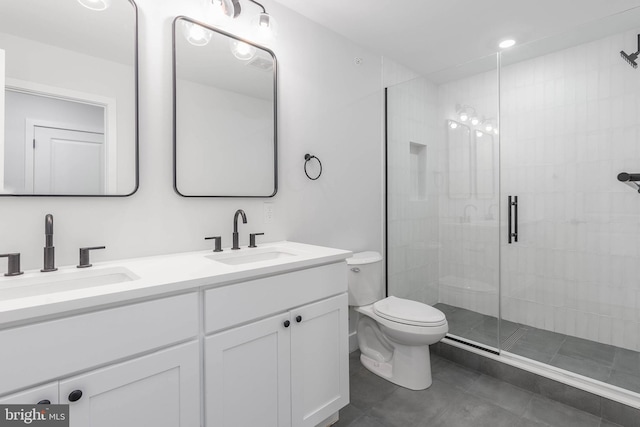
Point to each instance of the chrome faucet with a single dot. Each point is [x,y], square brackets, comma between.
[49,249]
[235,227]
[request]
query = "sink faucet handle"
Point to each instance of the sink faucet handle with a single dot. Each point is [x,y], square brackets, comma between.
[218,242]
[13,266]
[252,239]
[84,256]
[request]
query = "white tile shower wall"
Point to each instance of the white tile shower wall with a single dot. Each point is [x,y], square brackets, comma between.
[570,123]
[329,106]
[469,255]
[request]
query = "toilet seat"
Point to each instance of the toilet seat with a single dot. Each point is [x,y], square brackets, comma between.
[409,312]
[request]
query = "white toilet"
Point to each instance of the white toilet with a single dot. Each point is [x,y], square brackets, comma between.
[394,334]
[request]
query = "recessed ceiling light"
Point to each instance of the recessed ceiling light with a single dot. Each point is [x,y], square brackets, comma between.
[506,43]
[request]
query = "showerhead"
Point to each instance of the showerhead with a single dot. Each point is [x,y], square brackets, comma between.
[631,58]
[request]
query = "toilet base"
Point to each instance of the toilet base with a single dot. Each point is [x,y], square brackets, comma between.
[410,367]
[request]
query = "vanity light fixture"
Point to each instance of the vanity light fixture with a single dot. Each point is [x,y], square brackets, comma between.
[453,125]
[264,25]
[479,134]
[507,43]
[98,5]
[222,11]
[241,50]
[195,34]
[475,121]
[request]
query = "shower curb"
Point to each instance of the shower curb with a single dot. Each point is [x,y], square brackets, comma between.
[608,409]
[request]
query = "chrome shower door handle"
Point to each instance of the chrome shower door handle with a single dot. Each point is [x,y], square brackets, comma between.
[355,270]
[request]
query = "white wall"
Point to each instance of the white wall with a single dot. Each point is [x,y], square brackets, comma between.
[68,70]
[328,106]
[226,147]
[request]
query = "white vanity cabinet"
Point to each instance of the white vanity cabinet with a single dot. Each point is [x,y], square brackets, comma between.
[133,365]
[45,394]
[161,390]
[289,367]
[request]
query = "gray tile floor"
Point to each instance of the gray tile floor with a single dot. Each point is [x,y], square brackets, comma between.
[458,397]
[613,365]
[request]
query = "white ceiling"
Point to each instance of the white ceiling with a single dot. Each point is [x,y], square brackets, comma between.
[432,35]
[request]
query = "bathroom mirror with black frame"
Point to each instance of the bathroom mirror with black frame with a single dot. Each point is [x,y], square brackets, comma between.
[69,120]
[225,103]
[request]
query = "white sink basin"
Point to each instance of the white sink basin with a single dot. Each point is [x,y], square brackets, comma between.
[62,281]
[247,256]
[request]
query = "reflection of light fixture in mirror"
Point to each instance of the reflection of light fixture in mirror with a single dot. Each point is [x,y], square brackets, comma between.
[453,125]
[465,112]
[479,134]
[98,5]
[241,50]
[487,124]
[475,121]
[195,34]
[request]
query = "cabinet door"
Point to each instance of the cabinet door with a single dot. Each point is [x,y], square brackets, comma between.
[161,390]
[247,375]
[319,360]
[33,395]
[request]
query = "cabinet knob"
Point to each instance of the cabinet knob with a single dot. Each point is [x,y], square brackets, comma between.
[286,323]
[75,395]
[44,402]
[298,319]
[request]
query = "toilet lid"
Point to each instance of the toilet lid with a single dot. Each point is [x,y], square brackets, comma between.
[409,312]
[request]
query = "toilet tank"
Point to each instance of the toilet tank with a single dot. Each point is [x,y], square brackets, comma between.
[365,278]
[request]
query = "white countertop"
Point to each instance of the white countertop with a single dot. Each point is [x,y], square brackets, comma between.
[153,276]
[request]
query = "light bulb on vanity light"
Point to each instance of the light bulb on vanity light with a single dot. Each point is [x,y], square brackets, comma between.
[221,12]
[98,5]
[479,134]
[265,27]
[453,125]
[196,34]
[475,121]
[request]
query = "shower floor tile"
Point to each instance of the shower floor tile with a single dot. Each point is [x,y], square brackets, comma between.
[602,362]
[458,397]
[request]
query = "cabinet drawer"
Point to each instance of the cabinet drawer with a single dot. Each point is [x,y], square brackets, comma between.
[36,353]
[239,303]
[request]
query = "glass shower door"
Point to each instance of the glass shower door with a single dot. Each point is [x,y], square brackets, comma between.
[443,197]
[569,126]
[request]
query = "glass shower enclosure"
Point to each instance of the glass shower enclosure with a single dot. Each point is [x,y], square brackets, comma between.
[504,207]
